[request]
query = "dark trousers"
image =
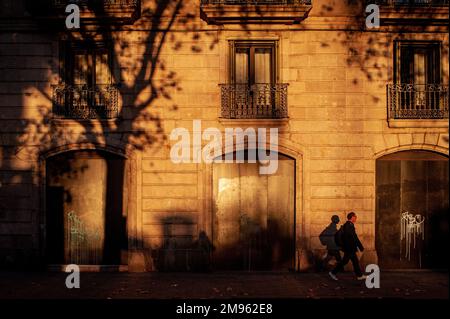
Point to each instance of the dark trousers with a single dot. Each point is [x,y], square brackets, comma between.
[347,257]
[330,254]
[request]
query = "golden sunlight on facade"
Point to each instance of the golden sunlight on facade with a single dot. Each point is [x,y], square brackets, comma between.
[86,116]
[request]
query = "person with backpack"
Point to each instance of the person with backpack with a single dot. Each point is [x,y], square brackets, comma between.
[349,242]
[327,239]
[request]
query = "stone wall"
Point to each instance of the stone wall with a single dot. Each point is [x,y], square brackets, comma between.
[337,127]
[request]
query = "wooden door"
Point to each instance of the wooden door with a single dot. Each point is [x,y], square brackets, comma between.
[253,216]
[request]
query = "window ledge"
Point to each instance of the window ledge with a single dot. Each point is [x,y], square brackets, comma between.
[417,123]
[413,15]
[254,122]
[91,12]
[238,14]
[111,123]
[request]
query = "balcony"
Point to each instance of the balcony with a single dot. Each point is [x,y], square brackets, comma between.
[417,101]
[412,12]
[83,102]
[254,11]
[258,101]
[410,3]
[92,12]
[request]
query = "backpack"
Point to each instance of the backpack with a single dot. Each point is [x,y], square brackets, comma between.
[338,237]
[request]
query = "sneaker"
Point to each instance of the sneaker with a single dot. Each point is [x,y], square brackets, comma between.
[361,277]
[333,276]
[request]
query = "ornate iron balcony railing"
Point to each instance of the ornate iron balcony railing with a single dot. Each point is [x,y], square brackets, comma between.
[83,102]
[92,12]
[254,11]
[243,101]
[412,3]
[128,3]
[255,2]
[417,101]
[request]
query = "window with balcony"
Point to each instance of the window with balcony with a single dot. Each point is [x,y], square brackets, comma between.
[417,92]
[253,90]
[87,91]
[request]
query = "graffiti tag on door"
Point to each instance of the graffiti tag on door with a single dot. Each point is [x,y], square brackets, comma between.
[83,243]
[411,230]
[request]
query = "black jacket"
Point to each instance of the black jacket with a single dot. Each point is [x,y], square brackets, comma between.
[350,241]
[327,237]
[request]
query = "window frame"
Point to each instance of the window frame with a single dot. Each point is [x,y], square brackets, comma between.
[252,45]
[436,51]
[68,50]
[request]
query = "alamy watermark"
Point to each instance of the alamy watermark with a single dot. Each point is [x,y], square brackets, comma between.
[73,19]
[73,279]
[373,19]
[187,151]
[373,278]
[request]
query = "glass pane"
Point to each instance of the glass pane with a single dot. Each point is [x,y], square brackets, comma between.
[406,59]
[263,65]
[241,69]
[419,67]
[81,69]
[102,69]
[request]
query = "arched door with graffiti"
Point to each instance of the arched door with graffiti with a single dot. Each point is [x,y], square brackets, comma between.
[85,213]
[412,210]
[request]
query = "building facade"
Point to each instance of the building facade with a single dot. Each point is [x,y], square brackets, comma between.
[88,115]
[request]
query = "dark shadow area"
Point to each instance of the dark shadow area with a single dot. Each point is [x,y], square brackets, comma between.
[55,224]
[116,242]
[180,250]
[257,249]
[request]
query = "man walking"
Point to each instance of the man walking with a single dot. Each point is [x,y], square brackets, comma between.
[350,243]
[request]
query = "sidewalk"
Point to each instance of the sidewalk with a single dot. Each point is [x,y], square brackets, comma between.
[408,285]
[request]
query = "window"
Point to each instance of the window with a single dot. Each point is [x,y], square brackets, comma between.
[418,63]
[253,62]
[417,92]
[86,64]
[254,90]
[87,90]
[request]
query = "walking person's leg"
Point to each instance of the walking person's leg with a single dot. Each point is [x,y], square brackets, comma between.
[326,260]
[336,254]
[356,267]
[340,266]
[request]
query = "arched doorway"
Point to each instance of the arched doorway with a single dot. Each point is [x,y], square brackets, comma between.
[412,210]
[85,213]
[254,216]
